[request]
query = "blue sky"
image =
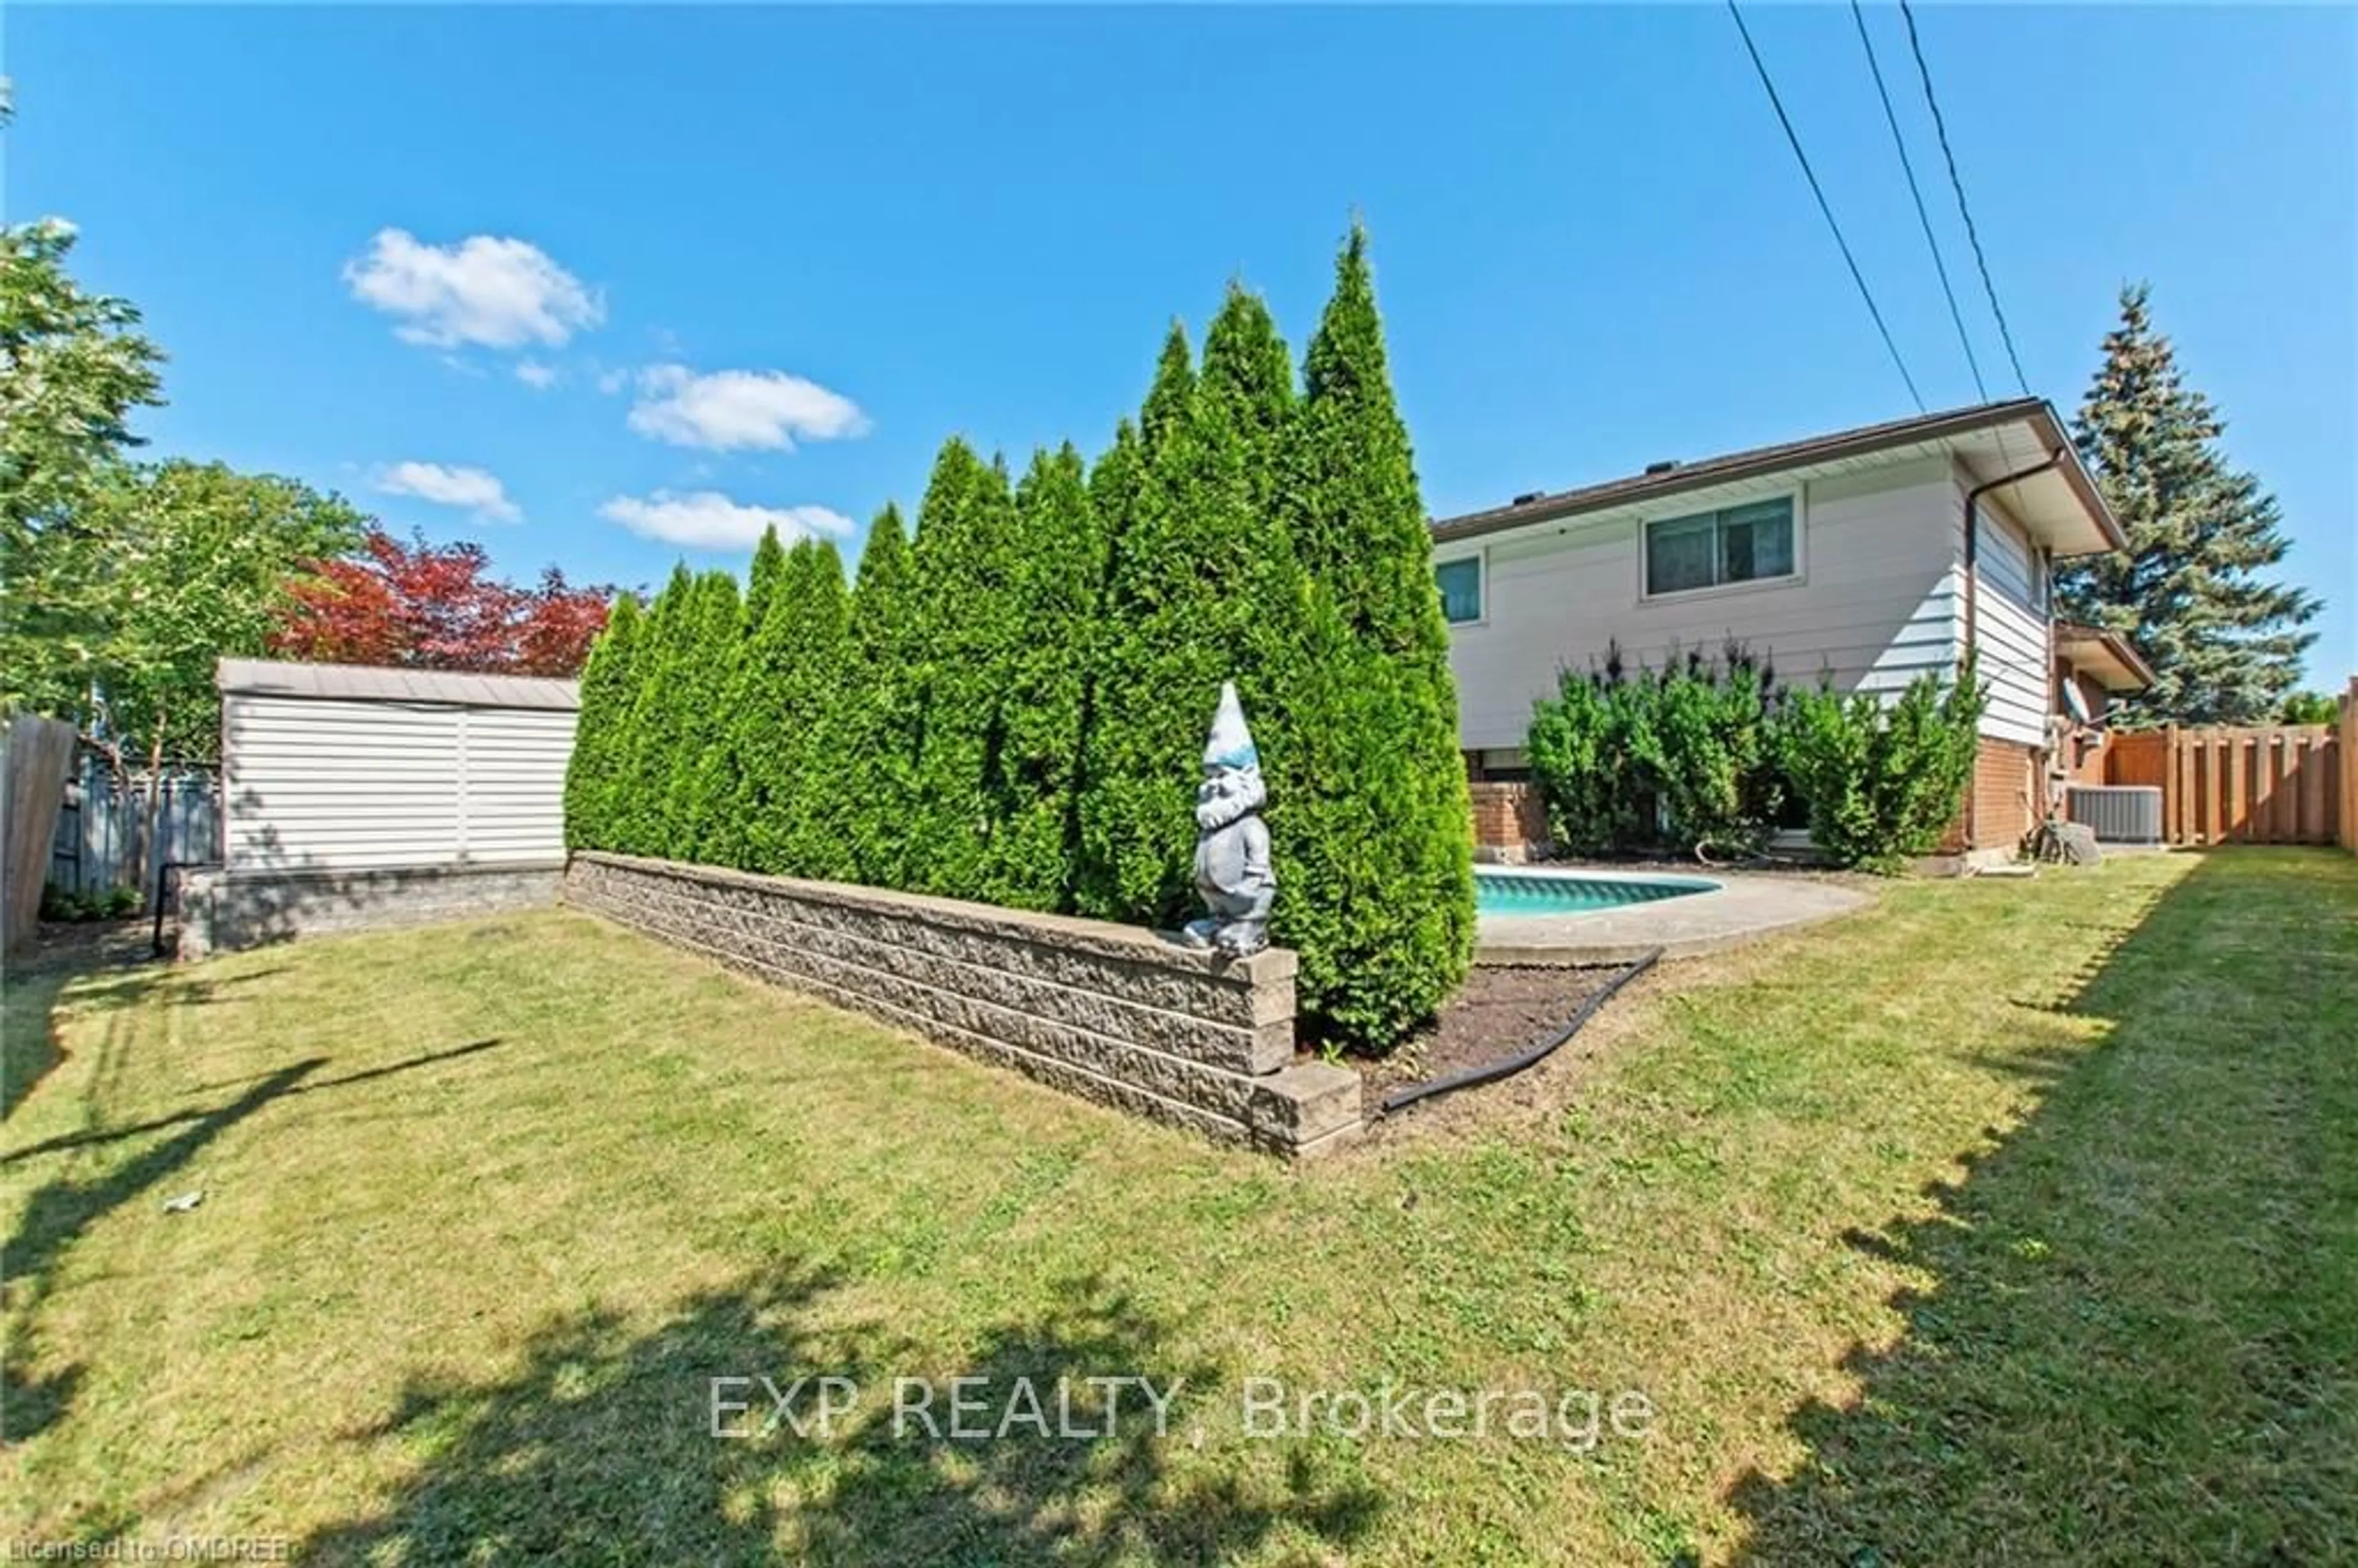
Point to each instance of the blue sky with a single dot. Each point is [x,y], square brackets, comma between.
[1593,247]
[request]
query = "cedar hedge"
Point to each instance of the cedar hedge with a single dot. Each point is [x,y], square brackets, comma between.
[1011,707]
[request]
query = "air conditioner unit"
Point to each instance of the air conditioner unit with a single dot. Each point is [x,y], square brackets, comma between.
[2120,814]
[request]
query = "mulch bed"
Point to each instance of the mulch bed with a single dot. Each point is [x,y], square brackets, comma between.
[1500,1011]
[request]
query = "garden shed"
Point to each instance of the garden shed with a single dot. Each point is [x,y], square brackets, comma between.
[355,797]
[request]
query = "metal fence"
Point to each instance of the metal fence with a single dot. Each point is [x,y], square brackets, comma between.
[100,827]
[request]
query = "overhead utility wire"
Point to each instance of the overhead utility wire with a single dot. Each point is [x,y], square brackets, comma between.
[1815,189]
[1908,166]
[1916,47]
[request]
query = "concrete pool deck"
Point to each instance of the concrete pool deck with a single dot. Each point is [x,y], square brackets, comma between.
[1741,910]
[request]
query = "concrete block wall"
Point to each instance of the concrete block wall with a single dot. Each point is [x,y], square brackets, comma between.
[222,911]
[1109,1012]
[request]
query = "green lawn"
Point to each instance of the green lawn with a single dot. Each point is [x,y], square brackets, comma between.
[2009,1222]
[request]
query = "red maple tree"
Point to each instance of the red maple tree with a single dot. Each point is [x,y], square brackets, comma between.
[433,607]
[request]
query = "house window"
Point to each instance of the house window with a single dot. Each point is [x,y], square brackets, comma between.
[1461,590]
[1736,544]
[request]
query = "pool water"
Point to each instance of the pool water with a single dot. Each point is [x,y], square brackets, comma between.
[1498,892]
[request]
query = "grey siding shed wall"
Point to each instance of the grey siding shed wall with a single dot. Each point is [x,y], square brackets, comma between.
[331,784]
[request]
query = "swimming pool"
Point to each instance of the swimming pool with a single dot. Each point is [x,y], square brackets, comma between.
[1500,890]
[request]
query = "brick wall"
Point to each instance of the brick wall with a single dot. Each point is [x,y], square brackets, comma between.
[1510,821]
[2007,794]
[1109,1012]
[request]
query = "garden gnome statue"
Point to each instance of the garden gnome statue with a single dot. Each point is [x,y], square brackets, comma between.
[1232,868]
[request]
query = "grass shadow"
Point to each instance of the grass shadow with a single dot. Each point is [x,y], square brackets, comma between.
[2136,1336]
[61,1211]
[605,1447]
[102,1135]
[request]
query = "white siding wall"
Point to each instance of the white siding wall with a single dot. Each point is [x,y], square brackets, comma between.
[324,785]
[1878,600]
[2010,623]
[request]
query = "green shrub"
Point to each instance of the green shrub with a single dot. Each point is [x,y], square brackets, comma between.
[1881,783]
[1708,752]
[96,904]
[1583,758]
[2311,707]
[1678,759]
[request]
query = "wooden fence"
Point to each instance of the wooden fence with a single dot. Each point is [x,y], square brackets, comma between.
[35,759]
[2346,736]
[2279,784]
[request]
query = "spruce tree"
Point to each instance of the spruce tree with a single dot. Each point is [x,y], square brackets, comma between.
[1378,836]
[646,752]
[866,754]
[1059,572]
[967,628]
[783,690]
[593,775]
[2191,591]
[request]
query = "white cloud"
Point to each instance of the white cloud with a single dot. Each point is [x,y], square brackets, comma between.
[534,374]
[499,293]
[705,519]
[479,491]
[736,409]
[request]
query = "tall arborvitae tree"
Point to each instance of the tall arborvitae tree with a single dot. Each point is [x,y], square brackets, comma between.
[1377,840]
[783,690]
[968,631]
[594,773]
[2191,591]
[1059,565]
[867,744]
[694,706]
[1171,392]
[761,580]
[647,752]
[1200,590]
[1248,367]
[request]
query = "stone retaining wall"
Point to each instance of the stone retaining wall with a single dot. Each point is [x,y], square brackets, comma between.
[1111,1013]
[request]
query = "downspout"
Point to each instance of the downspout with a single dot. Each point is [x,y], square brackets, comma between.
[1972,585]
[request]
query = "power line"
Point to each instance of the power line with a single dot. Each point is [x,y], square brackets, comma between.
[1916,47]
[1908,166]
[1815,189]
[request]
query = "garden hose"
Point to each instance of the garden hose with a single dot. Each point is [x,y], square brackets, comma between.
[1506,1067]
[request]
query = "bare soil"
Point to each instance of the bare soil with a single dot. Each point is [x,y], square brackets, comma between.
[1499,1011]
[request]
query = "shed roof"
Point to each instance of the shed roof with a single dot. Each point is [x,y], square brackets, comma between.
[371,683]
